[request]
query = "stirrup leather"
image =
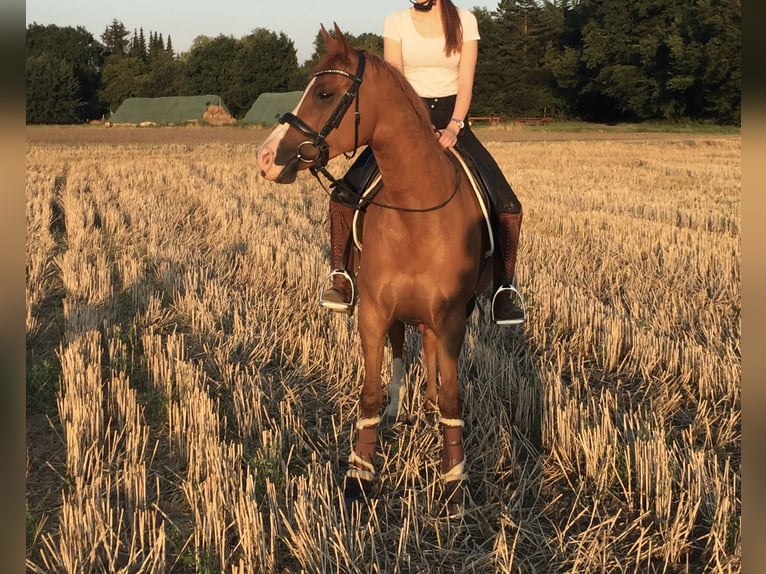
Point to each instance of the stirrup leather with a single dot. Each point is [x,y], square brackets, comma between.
[337,305]
[518,296]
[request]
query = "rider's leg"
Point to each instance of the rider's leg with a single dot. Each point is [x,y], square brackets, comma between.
[339,294]
[507,303]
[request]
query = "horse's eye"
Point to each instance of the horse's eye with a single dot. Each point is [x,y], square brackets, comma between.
[324,95]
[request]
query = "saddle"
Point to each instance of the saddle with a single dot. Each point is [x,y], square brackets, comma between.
[363,181]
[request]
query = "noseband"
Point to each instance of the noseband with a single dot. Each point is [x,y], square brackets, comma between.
[317,141]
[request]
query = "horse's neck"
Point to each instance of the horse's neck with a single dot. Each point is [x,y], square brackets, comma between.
[413,165]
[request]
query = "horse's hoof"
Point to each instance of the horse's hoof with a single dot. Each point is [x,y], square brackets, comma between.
[453,497]
[357,489]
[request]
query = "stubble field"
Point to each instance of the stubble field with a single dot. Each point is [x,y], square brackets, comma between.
[190,407]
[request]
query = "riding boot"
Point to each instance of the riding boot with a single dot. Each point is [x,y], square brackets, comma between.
[338,288]
[507,303]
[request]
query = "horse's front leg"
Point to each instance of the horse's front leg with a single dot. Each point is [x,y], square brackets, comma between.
[361,472]
[430,357]
[450,406]
[396,388]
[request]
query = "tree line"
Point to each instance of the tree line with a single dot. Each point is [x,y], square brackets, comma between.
[595,60]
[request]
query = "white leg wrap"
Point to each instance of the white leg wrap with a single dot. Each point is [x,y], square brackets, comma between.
[457,472]
[365,473]
[452,422]
[364,423]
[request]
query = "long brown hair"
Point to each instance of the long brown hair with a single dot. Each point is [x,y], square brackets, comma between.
[453,28]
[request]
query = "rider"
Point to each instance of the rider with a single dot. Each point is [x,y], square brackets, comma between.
[435,45]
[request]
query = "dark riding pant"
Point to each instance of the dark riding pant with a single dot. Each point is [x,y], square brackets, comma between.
[503,198]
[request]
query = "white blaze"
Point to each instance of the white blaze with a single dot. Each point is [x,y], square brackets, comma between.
[267,151]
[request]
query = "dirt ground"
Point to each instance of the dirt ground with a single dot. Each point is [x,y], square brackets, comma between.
[195,135]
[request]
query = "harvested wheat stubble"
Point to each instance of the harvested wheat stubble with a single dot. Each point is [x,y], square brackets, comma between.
[206,402]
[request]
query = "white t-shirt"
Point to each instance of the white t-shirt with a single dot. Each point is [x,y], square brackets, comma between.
[426,66]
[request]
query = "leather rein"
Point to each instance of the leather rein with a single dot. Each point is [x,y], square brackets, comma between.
[317,141]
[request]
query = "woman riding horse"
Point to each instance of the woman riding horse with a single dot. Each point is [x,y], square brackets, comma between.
[424,234]
[435,44]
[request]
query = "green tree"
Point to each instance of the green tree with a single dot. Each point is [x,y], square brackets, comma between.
[164,74]
[264,62]
[563,58]
[512,75]
[489,91]
[163,78]
[123,77]
[655,59]
[124,74]
[116,38]
[52,91]
[80,51]
[137,46]
[704,57]
[208,67]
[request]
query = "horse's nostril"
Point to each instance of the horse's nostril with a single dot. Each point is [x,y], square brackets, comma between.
[265,158]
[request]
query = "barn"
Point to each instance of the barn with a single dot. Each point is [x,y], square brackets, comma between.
[267,108]
[172,110]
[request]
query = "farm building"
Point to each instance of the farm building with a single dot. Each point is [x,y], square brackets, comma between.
[267,107]
[172,110]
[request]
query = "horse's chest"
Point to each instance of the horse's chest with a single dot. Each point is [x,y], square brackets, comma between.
[419,247]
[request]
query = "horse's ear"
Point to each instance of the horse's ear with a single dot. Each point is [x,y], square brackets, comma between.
[342,41]
[338,34]
[329,41]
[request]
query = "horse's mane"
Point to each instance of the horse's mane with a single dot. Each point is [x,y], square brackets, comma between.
[384,68]
[403,84]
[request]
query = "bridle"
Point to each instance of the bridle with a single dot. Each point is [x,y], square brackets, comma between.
[318,140]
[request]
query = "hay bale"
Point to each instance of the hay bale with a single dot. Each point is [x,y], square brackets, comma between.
[217,116]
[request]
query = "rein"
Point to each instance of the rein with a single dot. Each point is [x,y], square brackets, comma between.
[363,201]
[318,142]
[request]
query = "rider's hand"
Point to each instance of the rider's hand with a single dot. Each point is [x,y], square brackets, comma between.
[448,136]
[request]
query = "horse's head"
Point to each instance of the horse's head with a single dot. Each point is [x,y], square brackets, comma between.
[326,121]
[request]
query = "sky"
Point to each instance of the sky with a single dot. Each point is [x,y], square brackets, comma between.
[184,20]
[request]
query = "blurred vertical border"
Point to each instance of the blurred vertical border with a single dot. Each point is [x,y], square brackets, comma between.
[12,298]
[753,314]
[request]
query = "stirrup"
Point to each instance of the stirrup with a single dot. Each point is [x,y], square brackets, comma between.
[337,305]
[522,307]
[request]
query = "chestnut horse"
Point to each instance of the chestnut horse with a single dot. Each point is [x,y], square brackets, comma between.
[424,242]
